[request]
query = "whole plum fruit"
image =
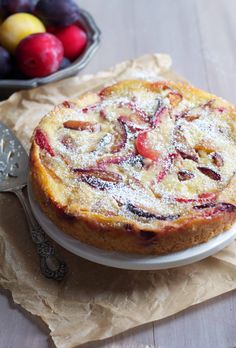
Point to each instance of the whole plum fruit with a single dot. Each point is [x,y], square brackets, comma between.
[5,62]
[16,27]
[57,12]
[39,55]
[65,63]
[74,40]
[15,73]
[13,6]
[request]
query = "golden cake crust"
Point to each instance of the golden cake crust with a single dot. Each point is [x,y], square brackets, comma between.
[187,221]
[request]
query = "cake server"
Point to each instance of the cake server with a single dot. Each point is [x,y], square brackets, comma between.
[13,178]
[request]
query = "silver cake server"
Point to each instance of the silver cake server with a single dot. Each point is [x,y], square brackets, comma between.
[13,178]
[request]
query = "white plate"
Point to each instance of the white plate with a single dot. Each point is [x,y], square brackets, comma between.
[130,261]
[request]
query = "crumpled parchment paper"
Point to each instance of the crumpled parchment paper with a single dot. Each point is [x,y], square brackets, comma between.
[95,301]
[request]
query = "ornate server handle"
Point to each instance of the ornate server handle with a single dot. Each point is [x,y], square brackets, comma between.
[51,266]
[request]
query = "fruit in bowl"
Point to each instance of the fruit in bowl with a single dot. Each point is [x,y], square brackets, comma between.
[41,43]
[57,12]
[16,27]
[39,55]
[5,62]
[15,79]
[9,7]
[65,63]
[74,40]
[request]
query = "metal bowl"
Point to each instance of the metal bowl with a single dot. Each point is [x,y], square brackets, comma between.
[86,21]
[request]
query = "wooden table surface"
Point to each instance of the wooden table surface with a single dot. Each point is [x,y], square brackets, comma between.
[200,36]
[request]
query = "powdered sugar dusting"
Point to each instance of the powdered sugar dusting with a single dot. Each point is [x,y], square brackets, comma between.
[185,137]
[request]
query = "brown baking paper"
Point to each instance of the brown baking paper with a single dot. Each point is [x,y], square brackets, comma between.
[95,301]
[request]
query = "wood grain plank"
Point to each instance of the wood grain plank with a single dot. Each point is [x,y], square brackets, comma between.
[18,328]
[208,325]
[140,337]
[170,27]
[217,27]
[200,37]
[114,18]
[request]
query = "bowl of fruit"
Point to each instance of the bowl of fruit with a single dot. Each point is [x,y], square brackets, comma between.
[43,41]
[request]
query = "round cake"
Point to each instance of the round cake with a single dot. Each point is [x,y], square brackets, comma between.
[139,167]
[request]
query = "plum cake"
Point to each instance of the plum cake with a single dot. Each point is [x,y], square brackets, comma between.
[139,167]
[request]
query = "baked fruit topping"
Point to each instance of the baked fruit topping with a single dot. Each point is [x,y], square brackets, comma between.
[143,167]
